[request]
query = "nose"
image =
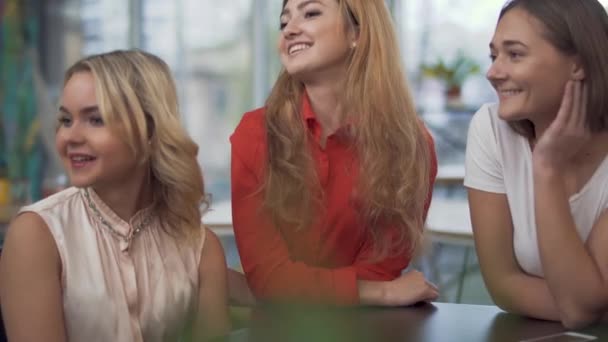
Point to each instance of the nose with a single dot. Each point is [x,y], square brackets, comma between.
[291,29]
[73,135]
[496,72]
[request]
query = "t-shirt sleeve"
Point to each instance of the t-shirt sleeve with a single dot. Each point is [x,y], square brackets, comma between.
[483,167]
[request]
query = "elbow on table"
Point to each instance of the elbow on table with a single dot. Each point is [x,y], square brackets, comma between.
[576,317]
[571,317]
[577,312]
[502,300]
[578,320]
[505,305]
[511,304]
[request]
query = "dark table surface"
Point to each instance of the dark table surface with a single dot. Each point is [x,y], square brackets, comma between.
[436,322]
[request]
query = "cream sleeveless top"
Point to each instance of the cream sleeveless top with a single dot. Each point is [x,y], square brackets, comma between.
[145,289]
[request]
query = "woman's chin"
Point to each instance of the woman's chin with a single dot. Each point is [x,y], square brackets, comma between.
[511,115]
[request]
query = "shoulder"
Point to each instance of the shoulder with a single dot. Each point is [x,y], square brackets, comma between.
[211,243]
[249,139]
[485,149]
[28,224]
[488,132]
[212,258]
[487,124]
[252,125]
[28,239]
[41,225]
[59,210]
[57,200]
[486,117]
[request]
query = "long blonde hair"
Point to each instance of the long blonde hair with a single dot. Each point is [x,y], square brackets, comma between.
[390,141]
[137,99]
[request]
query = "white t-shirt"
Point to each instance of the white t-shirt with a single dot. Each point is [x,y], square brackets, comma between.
[499,160]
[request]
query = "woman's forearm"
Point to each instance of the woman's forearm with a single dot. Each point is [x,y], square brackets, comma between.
[525,295]
[372,292]
[571,273]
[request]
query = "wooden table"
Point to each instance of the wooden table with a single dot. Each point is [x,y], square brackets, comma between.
[437,322]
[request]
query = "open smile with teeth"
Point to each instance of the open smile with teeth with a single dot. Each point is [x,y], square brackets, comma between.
[82,158]
[297,48]
[510,92]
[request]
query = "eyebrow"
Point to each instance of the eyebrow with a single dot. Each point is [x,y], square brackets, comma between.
[86,110]
[300,6]
[509,43]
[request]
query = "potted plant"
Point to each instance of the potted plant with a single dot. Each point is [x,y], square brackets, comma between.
[452,74]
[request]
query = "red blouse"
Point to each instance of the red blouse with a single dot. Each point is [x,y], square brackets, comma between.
[321,263]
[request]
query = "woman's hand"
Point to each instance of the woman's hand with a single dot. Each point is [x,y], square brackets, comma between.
[411,288]
[568,132]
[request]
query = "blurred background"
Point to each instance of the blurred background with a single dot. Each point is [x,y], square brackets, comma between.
[223,56]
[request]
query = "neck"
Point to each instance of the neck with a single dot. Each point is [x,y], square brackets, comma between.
[325,102]
[596,148]
[128,198]
[540,126]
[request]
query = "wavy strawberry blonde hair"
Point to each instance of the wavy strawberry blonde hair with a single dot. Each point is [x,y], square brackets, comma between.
[388,137]
[137,99]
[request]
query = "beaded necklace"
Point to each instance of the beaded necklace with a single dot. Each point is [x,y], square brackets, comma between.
[109,227]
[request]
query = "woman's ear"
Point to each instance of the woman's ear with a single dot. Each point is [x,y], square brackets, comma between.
[353,36]
[578,72]
[150,126]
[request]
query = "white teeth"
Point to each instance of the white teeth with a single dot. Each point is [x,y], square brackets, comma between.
[510,92]
[298,47]
[81,158]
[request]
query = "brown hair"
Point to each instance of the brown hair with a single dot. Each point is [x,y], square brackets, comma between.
[574,27]
[388,137]
[137,99]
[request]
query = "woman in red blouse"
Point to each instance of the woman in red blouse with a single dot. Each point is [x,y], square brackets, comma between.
[332,178]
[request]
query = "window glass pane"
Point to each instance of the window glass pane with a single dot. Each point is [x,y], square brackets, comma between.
[272,22]
[442,30]
[435,31]
[208,45]
[159,31]
[105,25]
[454,34]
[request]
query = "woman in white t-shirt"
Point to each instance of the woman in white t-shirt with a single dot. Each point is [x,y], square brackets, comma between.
[537,165]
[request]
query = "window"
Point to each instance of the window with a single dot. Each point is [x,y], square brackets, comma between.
[452,33]
[223,56]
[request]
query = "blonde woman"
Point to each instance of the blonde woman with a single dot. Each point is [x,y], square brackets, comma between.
[331,180]
[121,255]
